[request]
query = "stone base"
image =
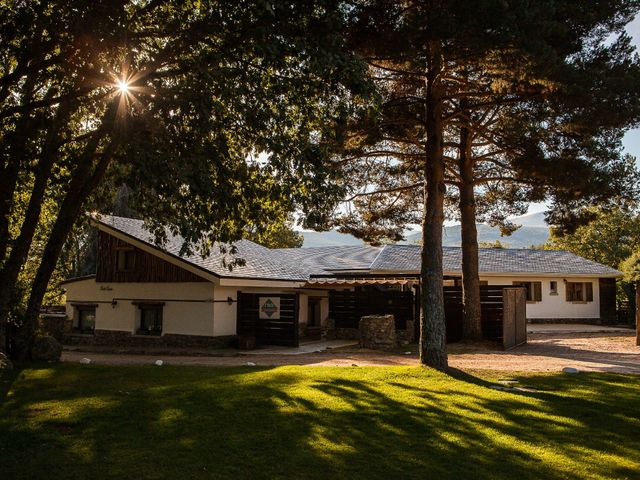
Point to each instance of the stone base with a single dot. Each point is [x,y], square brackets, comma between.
[378,332]
[121,339]
[590,321]
[346,334]
[407,336]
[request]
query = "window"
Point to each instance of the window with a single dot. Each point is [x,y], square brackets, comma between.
[553,287]
[579,292]
[86,319]
[150,318]
[126,259]
[534,290]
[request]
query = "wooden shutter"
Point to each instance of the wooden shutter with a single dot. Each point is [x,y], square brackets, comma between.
[537,291]
[588,288]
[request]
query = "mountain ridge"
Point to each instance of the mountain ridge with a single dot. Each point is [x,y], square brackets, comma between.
[534,231]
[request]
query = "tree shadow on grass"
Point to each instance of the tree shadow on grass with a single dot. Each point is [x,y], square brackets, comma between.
[173,422]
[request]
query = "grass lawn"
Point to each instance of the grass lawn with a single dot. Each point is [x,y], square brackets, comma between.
[91,422]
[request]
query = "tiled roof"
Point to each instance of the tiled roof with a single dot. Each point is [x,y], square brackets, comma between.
[406,258]
[298,264]
[319,260]
[260,262]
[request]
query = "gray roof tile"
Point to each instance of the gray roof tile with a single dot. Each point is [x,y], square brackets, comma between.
[406,258]
[260,262]
[320,260]
[297,264]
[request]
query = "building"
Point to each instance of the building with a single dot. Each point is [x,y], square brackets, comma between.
[147,293]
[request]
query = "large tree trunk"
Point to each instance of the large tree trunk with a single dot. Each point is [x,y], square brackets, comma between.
[9,173]
[84,181]
[433,335]
[472,318]
[20,247]
[15,159]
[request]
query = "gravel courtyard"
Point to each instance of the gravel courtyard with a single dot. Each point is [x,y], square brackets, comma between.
[544,352]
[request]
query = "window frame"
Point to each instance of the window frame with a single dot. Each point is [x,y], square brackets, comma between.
[553,287]
[125,253]
[534,295]
[141,327]
[79,310]
[585,289]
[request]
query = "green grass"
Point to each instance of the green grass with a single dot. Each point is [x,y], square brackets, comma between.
[91,422]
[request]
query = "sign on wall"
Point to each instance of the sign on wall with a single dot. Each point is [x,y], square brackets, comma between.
[269,308]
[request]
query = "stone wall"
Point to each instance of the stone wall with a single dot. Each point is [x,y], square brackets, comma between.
[124,340]
[404,337]
[378,332]
[590,321]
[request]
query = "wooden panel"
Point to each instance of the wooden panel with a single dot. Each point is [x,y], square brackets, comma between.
[607,287]
[508,318]
[282,331]
[521,317]
[347,307]
[147,267]
[491,312]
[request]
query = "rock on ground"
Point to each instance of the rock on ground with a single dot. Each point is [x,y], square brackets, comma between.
[46,349]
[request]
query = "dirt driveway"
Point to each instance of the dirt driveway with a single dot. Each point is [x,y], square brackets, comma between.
[545,352]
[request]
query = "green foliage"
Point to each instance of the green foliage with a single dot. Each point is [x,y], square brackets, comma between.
[278,234]
[534,102]
[227,121]
[308,422]
[631,268]
[610,238]
[494,244]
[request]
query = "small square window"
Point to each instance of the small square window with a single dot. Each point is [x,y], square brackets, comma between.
[126,260]
[150,319]
[553,287]
[86,319]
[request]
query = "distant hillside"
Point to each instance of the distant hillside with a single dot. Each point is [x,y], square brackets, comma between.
[534,231]
[328,239]
[524,237]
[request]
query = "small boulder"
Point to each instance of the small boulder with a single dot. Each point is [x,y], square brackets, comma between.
[46,349]
[85,361]
[159,363]
[5,363]
[251,364]
[570,370]
[378,332]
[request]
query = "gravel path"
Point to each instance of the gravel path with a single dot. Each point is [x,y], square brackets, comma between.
[603,352]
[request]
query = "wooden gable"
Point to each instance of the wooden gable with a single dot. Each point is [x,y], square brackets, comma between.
[119,261]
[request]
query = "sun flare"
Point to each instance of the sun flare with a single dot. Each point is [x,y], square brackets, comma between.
[123,86]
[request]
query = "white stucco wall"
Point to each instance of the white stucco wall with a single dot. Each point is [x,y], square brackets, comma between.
[208,313]
[303,305]
[224,313]
[555,306]
[188,307]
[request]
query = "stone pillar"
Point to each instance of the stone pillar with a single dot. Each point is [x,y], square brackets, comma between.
[378,332]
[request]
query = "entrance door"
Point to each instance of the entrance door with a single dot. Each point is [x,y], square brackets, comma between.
[314,319]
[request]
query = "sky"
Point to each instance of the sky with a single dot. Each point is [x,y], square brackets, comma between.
[632,138]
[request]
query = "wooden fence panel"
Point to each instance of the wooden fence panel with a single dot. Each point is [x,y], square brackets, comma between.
[282,331]
[491,305]
[347,307]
